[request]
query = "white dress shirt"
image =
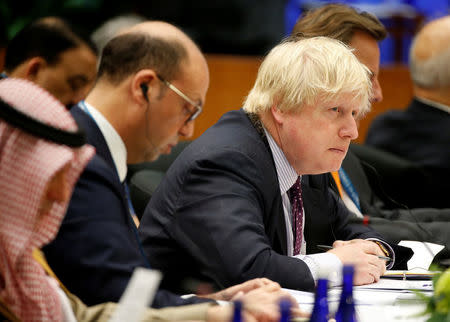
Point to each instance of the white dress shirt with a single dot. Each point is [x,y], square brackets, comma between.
[323,265]
[115,143]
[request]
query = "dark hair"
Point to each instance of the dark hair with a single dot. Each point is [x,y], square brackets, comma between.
[3,34]
[338,21]
[126,54]
[47,38]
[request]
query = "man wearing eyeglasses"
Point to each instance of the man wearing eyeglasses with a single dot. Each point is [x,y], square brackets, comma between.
[150,87]
[148,91]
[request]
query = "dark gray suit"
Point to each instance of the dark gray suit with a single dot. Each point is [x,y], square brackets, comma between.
[97,247]
[420,134]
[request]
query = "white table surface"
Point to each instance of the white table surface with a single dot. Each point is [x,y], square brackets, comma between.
[373,304]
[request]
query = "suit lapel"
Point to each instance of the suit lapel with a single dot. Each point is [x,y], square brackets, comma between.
[94,135]
[274,222]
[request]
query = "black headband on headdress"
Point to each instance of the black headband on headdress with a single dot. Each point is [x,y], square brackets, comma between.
[34,127]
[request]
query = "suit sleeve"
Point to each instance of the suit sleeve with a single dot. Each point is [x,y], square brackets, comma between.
[348,228]
[96,250]
[327,218]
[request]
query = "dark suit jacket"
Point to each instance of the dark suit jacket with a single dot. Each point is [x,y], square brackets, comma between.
[393,221]
[419,134]
[218,213]
[97,248]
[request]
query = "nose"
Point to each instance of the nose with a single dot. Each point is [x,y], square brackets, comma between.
[350,129]
[377,91]
[188,129]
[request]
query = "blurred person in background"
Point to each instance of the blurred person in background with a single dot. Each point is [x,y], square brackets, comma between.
[420,133]
[112,27]
[51,54]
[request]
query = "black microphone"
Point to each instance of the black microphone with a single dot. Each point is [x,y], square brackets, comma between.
[429,235]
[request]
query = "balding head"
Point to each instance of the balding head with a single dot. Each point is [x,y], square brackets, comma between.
[152,80]
[430,55]
[149,45]
[160,29]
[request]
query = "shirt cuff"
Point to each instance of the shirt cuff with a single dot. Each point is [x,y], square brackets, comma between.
[324,265]
[223,303]
[389,249]
[219,302]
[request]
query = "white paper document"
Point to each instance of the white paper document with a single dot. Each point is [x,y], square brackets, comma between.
[371,304]
[138,295]
[398,285]
[423,253]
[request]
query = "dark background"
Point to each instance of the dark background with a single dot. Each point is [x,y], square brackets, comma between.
[244,27]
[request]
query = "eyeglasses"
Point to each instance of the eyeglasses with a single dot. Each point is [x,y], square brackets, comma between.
[198,108]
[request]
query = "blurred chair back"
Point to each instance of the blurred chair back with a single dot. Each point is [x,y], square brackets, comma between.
[145,177]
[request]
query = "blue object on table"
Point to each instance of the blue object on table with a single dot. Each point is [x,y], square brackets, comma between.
[285,310]
[346,309]
[320,310]
[237,314]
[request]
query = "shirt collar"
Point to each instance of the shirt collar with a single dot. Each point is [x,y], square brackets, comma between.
[286,173]
[437,105]
[115,143]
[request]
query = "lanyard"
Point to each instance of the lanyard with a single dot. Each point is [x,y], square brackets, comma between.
[349,188]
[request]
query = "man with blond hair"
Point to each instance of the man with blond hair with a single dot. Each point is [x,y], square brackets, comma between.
[361,31]
[232,205]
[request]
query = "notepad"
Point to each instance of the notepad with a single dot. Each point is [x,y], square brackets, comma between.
[416,274]
[397,285]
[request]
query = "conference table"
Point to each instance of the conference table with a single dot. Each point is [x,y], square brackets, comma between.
[385,301]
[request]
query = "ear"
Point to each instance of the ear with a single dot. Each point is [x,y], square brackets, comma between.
[33,67]
[277,114]
[143,86]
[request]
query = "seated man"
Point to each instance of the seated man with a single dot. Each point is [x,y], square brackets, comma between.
[41,157]
[51,54]
[420,133]
[361,190]
[231,206]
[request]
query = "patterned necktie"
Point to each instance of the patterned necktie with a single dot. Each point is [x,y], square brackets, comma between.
[295,197]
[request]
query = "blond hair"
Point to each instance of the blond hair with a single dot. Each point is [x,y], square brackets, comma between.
[299,72]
